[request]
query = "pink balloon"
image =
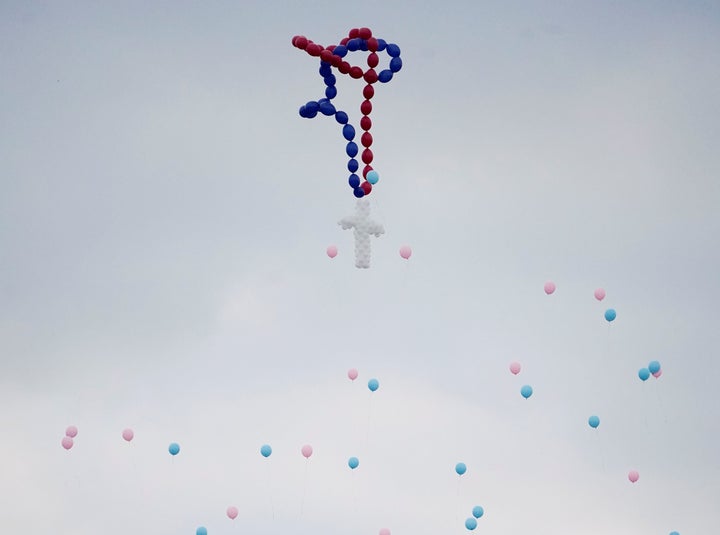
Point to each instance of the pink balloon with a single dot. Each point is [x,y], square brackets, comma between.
[657,373]
[515,368]
[405,251]
[128,434]
[67,442]
[384,531]
[633,476]
[549,287]
[232,512]
[599,294]
[352,374]
[332,251]
[71,431]
[307,451]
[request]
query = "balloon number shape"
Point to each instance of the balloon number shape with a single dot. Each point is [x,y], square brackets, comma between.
[333,57]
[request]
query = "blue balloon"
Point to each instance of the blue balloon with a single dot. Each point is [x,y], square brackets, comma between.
[478,511]
[340,50]
[349,132]
[610,314]
[471,523]
[325,69]
[385,76]
[372,177]
[395,64]
[351,149]
[303,111]
[359,192]
[330,79]
[393,50]
[674,533]
[326,108]
[353,44]
[460,468]
[331,92]
[354,181]
[353,165]
[353,462]
[363,45]
[201,531]
[594,421]
[654,366]
[265,450]
[526,391]
[382,45]
[174,448]
[373,384]
[643,373]
[341,117]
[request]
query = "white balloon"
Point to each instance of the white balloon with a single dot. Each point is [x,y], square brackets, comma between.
[363,227]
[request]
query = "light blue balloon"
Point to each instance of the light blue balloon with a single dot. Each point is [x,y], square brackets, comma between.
[654,366]
[460,468]
[674,533]
[353,462]
[526,391]
[478,511]
[643,373]
[610,314]
[201,531]
[174,448]
[471,523]
[372,177]
[373,385]
[265,450]
[594,421]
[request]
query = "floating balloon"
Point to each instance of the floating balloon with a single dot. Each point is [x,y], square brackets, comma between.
[460,468]
[384,531]
[363,227]
[610,314]
[306,451]
[71,431]
[633,476]
[515,368]
[373,385]
[594,422]
[654,367]
[352,374]
[67,442]
[674,533]
[353,462]
[599,294]
[526,391]
[265,450]
[332,251]
[128,434]
[405,251]
[657,374]
[643,374]
[232,512]
[470,523]
[550,287]
[201,531]
[174,449]
[478,511]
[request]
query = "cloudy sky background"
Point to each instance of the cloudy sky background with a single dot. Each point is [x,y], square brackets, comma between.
[164,214]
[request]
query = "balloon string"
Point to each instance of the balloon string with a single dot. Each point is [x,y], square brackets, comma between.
[302,503]
[367,429]
[270,492]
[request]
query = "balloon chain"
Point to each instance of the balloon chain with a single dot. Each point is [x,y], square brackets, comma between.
[332,56]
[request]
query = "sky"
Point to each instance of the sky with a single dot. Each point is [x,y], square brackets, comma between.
[164,217]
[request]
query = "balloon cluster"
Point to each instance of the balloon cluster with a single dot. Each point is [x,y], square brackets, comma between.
[70,433]
[471,522]
[333,57]
[526,390]
[653,369]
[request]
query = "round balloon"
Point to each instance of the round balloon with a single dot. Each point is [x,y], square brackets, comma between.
[674,533]
[550,287]
[657,374]
[478,511]
[373,385]
[470,523]
[332,251]
[128,434]
[384,531]
[633,476]
[201,531]
[232,512]
[515,368]
[174,448]
[610,314]
[67,442]
[460,468]
[306,451]
[353,462]
[594,421]
[352,374]
[526,391]
[405,251]
[654,366]
[71,431]
[643,374]
[599,294]
[265,450]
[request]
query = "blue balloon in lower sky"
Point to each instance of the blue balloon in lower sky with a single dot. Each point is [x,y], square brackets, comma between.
[478,511]
[654,366]
[594,421]
[674,533]
[471,523]
[353,462]
[265,450]
[201,531]
[373,385]
[526,391]
[174,448]
[643,373]
[610,314]
[460,468]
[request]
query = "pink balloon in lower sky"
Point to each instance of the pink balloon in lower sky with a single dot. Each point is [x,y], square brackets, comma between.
[599,294]
[332,251]
[515,368]
[633,476]
[232,512]
[71,431]
[550,287]
[128,434]
[306,451]
[384,531]
[405,251]
[67,442]
[352,374]
[657,374]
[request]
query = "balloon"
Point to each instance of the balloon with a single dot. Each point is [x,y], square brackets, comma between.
[352,374]
[67,442]
[201,531]
[174,449]
[71,431]
[610,314]
[550,287]
[373,385]
[384,531]
[332,251]
[643,373]
[470,523]
[594,421]
[353,462]
[657,374]
[478,511]
[674,533]
[265,450]
[633,476]
[232,512]
[526,391]
[515,368]
[460,468]
[306,451]
[654,367]
[405,251]
[372,177]
[128,434]
[363,227]
[599,294]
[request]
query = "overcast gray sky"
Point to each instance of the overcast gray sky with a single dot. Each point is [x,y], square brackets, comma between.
[164,215]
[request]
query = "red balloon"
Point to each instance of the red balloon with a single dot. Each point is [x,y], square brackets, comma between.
[365,123]
[294,39]
[372,44]
[344,40]
[301,41]
[353,33]
[366,170]
[373,60]
[344,67]
[330,47]
[356,72]
[336,61]
[366,139]
[366,106]
[364,33]
[314,49]
[368,91]
[366,187]
[371,76]
[367,156]
[326,55]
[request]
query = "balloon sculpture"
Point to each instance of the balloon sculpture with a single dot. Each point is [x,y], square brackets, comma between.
[333,57]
